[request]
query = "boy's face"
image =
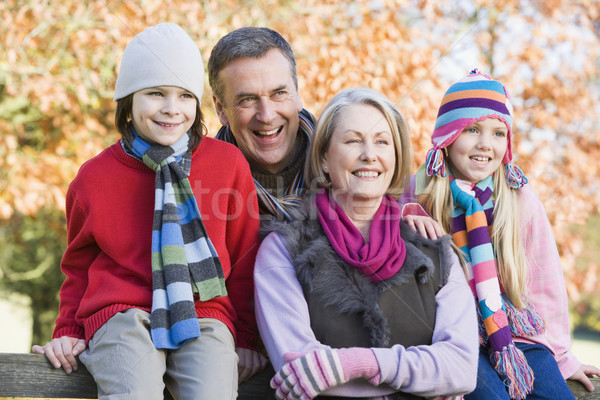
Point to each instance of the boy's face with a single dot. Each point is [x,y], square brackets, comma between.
[163,114]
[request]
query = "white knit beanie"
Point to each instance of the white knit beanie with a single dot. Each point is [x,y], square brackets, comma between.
[162,55]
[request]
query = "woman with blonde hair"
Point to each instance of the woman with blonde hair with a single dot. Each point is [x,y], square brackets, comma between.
[350,301]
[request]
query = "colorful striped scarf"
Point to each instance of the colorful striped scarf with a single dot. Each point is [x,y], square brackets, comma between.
[280,207]
[471,224]
[184,261]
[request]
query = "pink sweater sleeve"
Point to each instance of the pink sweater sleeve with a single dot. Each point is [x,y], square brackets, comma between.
[546,288]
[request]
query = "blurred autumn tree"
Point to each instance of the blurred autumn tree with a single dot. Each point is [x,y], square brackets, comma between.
[58,66]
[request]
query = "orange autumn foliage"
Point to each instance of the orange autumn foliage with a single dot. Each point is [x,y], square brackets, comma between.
[58,64]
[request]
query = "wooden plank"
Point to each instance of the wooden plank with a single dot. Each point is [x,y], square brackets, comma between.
[581,393]
[32,375]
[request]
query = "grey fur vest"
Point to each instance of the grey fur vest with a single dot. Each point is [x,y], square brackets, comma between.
[346,308]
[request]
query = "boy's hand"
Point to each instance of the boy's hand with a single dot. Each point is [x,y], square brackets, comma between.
[61,352]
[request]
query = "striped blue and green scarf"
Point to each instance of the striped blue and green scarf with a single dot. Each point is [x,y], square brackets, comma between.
[184,261]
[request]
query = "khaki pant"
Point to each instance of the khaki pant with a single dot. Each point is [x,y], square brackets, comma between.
[125,364]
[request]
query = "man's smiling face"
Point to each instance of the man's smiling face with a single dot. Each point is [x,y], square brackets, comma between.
[261,105]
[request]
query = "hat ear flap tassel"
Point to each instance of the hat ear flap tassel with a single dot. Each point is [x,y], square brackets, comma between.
[515,176]
[436,163]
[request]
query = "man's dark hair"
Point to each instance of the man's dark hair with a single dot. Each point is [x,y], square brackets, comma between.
[247,42]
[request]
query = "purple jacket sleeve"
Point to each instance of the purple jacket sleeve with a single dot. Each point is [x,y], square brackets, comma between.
[281,311]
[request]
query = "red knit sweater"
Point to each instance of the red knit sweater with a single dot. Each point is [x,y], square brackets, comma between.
[107,264]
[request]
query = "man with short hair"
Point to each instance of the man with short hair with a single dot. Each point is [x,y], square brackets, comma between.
[252,72]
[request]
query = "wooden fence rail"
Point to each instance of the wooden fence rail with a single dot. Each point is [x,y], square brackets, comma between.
[31,375]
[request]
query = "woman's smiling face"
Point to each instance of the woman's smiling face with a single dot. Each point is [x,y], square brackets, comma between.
[361,157]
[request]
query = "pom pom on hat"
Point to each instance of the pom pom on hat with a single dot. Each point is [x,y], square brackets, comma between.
[161,55]
[471,99]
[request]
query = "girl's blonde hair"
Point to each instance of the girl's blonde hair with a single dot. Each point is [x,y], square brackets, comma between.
[506,231]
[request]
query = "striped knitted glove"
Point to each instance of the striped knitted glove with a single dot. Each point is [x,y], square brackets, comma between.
[306,376]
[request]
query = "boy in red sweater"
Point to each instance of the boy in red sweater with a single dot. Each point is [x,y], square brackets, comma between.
[162,237]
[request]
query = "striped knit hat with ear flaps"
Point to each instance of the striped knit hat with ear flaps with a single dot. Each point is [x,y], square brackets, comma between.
[473,98]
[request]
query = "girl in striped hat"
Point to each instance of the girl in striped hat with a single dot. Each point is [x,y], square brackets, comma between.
[499,227]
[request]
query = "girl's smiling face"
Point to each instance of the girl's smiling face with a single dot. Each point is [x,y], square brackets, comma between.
[163,114]
[478,151]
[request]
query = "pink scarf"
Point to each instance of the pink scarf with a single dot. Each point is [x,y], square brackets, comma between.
[383,255]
